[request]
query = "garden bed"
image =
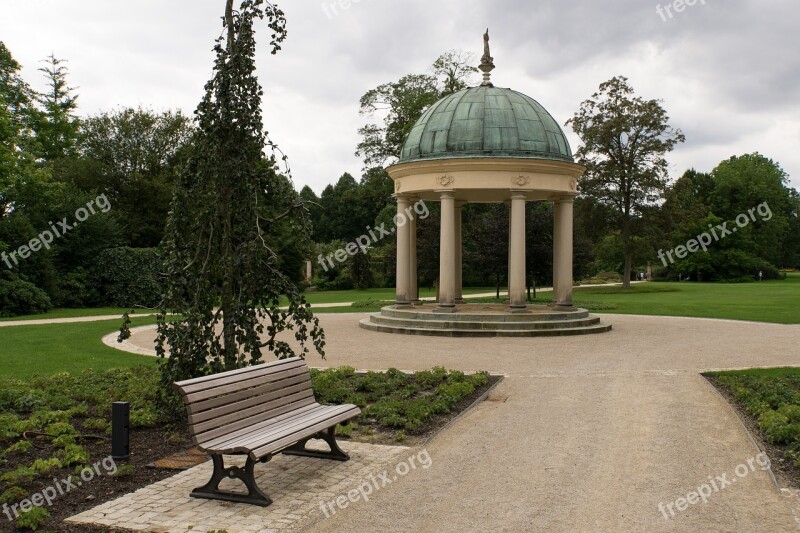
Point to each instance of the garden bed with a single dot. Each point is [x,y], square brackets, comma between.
[768,403]
[397,408]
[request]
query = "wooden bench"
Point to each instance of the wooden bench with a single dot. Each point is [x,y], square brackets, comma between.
[258,411]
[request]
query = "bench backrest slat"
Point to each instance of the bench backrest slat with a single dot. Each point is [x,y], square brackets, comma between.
[232,401]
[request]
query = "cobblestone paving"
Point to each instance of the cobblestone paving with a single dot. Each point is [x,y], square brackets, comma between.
[297,486]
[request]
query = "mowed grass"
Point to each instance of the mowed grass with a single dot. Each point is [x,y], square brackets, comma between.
[326,297]
[26,351]
[330,297]
[768,301]
[74,313]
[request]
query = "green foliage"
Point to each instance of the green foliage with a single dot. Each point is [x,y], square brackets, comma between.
[97,424]
[134,156]
[404,101]
[34,518]
[228,203]
[19,297]
[21,475]
[144,418]
[57,131]
[772,398]
[13,495]
[20,447]
[44,466]
[625,141]
[394,399]
[129,277]
[61,428]
[124,471]
[73,454]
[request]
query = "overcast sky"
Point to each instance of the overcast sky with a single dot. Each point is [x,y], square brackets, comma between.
[727,71]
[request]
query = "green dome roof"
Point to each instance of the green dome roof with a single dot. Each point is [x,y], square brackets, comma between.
[486,122]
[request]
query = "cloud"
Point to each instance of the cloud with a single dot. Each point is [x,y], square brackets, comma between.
[727,72]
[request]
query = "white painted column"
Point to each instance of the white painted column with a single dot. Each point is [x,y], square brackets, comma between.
[516,266]
[447,255]
[403,297]
[459,248]
[563,242]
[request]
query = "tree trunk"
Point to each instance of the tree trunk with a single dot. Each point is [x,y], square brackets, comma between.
[626,276]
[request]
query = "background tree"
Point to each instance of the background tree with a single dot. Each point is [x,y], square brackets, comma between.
[57,132]
[220,270]
[625,140]
[402,103]
[18,151]
[134,156]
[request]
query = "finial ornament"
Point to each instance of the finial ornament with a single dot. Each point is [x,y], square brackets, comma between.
[487,62]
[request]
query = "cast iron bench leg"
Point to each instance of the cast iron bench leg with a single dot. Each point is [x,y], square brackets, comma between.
[246,475]
[336,453]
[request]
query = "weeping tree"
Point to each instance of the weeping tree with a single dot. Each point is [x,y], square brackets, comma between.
[223,285]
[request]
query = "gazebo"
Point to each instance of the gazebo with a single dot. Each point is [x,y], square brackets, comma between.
[485,145]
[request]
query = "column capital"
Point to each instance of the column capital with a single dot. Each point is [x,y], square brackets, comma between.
[568,199]
[517,194]
[446,193]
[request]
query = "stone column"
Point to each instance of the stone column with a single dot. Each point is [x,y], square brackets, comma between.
[447,255]
[413,291]
[516,266]
[459,255]
[403,252]
[556,209]
[562,244]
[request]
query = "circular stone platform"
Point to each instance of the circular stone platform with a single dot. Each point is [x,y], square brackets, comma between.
[484,320]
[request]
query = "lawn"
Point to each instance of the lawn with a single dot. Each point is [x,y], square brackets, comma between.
[326,297]
[74,313]
[769,301]
[51,348]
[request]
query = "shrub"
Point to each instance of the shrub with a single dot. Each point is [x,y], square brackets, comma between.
[130,277]
[77,289]
[609,277]
[13,495]
[19,297]
[22,446]
[34,518]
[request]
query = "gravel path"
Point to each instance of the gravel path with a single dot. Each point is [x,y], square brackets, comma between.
[584,434]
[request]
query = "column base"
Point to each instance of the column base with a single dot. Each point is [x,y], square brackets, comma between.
[563,307]
[460,301]
[402,305]
[518,309]
[445,309]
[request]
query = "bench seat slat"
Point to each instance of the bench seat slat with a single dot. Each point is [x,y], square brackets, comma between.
[237,376]
[284,428]
[252,401]
[253,414]
[289,411]
[285,442]
[231,393]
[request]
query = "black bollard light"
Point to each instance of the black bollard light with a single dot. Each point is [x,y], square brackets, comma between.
[120,431]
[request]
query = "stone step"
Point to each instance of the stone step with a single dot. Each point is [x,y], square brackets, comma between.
[452,332]
[444,322]
[475,315]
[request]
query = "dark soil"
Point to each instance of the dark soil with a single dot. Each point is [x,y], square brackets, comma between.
[786,472]
[147,445]
[150,445]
